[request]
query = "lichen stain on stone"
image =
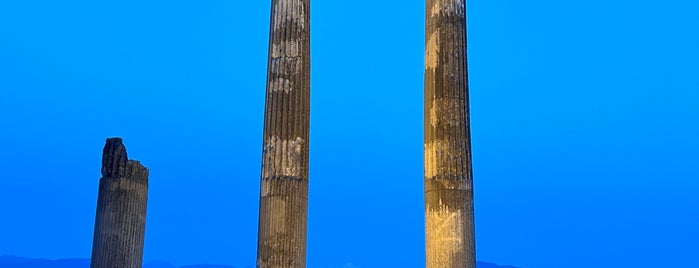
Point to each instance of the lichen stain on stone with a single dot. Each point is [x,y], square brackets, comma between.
[282,84]
[444,233]
[432,149]
[282,13]
[436,6]
[288,48]
[448,7]
[438,156]
[447,112]
[432,51]
[282,157]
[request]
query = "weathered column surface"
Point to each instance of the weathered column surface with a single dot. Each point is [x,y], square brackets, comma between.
[448,178]
[121,210]
[284,178]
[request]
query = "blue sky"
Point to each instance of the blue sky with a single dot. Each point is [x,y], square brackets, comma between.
[584,120]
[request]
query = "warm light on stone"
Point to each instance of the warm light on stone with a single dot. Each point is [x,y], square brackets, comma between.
[449,230]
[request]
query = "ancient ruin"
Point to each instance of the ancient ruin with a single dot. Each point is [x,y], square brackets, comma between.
[121,210]
[449,229]
[284,178]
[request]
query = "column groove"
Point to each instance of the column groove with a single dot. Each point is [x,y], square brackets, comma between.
[120,219]
[449,228]
[284,172]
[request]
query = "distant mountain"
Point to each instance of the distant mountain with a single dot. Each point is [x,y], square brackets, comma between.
[8,261]
[481,264]
[19,262]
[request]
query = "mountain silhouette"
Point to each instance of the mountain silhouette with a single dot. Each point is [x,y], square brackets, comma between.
[8,261]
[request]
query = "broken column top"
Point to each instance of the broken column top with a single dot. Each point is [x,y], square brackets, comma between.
[116,164]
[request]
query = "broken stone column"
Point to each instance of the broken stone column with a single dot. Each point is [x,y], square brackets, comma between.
[449,226]
[284,178]
[121,210]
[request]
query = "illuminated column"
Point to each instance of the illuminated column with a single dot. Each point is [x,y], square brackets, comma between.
[121,210]
[449,228]
[284,178]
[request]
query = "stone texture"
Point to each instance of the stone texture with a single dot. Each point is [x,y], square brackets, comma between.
[284,178]
[121,210]
[449,228]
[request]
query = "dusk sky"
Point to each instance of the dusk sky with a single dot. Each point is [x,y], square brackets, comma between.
[585,128]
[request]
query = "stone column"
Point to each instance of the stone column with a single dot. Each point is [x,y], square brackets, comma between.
[449,228]
[121,210]
[284,178]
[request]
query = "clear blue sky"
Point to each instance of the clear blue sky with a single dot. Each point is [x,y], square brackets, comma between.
[585,131]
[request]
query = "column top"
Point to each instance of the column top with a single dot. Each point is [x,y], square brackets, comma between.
[116,164]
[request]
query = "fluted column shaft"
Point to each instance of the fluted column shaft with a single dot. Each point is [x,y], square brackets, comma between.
[449,228]
[284,178]
[121,210]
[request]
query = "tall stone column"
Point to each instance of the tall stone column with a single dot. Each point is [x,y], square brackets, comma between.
[284,178]
[450,236]
[121,210]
